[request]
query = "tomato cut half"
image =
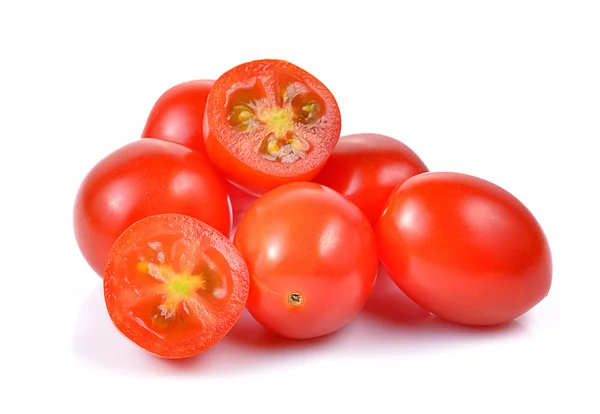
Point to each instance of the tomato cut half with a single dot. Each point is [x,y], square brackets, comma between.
[269,122]
[174,285]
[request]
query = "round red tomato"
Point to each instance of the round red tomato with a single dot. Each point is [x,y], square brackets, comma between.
[464,248]
[174,286]
[178,114]
[312,259]
[269,122]
[143,178]
[240,201]
[367,167]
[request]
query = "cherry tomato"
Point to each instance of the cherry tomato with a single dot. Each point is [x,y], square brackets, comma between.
[464,248]
[312,258]
[178,114]
[367,167]
[269,122]
[174,285]
[240,201]
[140,179]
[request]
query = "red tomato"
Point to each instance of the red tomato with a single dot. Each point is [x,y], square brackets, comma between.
[240,201]
[312,258]
[174,285]
[367,167]
[144,178]
[178,115]
[269,122]
[464,248]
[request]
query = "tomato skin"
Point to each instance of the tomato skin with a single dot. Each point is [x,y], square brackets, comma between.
[463,248]
[306,238]
[143,178]
[240,202]
[124,290]
[367,167]
[244,166]
[178,114]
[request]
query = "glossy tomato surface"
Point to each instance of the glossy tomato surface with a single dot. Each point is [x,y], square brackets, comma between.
[143,178]
[367,167]
[240,202]
[174,286]
[178,114]
[312,258]
[464,248]
[269,122]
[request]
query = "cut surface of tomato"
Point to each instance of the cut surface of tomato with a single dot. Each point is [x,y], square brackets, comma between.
[269,122]
[174,285]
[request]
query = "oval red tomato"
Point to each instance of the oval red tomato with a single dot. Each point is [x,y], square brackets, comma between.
[464,248]
[367,167]
[143,178]
[312,259]
[269,122]
[174,286]
[178,114]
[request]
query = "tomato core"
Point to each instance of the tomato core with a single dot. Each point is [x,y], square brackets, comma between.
[279,126]
[295,299]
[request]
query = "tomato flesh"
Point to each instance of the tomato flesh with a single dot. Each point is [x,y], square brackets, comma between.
[312,259]
[464,248]
[174,285]
[269,122]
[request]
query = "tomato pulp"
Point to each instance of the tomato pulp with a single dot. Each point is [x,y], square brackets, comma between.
[312,259]
[174,286]
[464,248]
[269,122]
[367,167]
[178,114]
[140,179]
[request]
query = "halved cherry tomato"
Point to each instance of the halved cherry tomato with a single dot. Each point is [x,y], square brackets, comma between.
[367,167]
[464,248]
[269,122]
[174,285]
[178,114]
[312,258]
[140,179]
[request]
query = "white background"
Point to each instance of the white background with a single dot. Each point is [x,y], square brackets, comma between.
[506,90]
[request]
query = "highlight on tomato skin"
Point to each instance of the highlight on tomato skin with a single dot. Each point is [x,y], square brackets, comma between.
[174,286]
[366,167]
[464,249]
[312,258]
[178,114]
[269,122]
[142,178]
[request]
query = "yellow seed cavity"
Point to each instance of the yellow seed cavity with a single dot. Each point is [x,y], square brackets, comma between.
[273,147]
[245,116]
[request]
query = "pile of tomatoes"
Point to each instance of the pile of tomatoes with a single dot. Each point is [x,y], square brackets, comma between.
[242,194]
